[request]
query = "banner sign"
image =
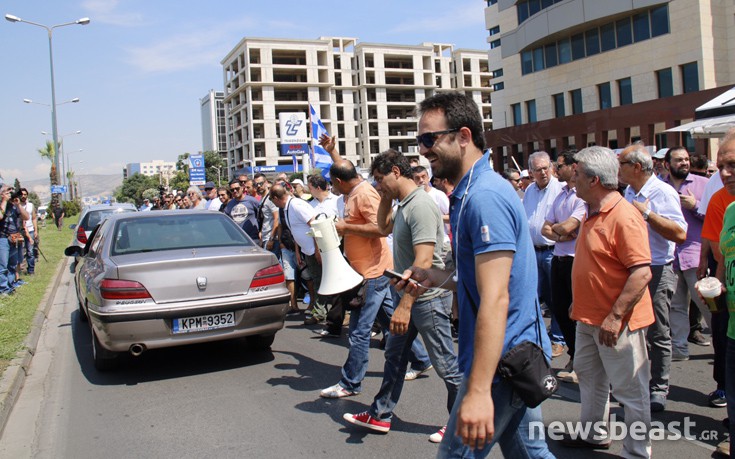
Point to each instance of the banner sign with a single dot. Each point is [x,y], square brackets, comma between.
[197,170]
[58,189]
[293,133]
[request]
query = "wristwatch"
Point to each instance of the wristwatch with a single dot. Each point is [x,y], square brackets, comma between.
[646,214]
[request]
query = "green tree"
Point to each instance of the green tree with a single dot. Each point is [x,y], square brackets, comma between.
[179,182]
[33,197]
[16,185]
[49,152]
[133,187]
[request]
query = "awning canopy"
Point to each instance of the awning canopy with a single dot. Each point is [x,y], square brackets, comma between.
[712,119]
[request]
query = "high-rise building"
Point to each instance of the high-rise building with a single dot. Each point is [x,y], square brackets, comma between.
[364,93]
[581,72]
[213,123]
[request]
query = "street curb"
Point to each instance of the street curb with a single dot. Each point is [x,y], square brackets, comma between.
[14,376]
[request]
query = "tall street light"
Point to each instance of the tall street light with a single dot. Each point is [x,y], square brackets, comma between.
[219,175]
[82,21]
[71,101]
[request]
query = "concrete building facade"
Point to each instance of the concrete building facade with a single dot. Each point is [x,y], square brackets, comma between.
[365,93]
[214,136]
[150,169]
[581,72]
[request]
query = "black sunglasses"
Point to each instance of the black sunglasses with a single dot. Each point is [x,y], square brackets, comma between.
[427,139]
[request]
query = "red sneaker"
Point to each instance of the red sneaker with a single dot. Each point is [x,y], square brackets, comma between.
[438,436]
[367,421]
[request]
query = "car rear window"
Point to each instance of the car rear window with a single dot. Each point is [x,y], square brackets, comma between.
[176,231]
[94,217]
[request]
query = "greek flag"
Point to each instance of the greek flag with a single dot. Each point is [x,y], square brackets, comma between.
[320,157]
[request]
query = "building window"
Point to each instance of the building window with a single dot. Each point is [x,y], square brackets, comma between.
[495,43]
[550,55]
[559,111]
[603,90]
[538,59]
[531,110]
[498,86]
[641,27]
[494,30]
[576,101]
[660,21]
[689,77]
[577,46]
[517,121]
[623,32]
[607,37]
[592,41]
[497,73]
[625,89]
[526,62]
[665,83]
[491,2]
[565,51]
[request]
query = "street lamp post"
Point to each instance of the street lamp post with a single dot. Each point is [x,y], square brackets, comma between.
[82,21]
[219,175]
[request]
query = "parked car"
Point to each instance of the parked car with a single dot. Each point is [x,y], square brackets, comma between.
[148,280]
[91,216]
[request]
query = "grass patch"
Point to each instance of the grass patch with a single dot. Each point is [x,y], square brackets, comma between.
[17,311]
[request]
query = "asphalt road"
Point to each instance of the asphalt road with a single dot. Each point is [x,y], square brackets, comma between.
[221,400]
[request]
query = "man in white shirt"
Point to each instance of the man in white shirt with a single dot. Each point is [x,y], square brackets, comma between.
[298,214]
[324,201]
[537,200]
[213,201]
[421,178]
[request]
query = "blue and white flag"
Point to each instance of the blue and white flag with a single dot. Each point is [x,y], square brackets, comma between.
[320,157]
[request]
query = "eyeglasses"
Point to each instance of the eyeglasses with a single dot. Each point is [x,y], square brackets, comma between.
[427,139]
[235,188]
[223,195]
[515,180]
[259,184]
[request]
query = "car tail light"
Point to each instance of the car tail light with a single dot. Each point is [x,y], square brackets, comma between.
[114,289]
[268,276]
[81,235]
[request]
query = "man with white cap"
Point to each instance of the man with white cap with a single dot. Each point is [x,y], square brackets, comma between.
[658,164]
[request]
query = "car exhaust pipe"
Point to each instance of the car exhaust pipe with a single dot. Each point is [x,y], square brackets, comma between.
[137,349]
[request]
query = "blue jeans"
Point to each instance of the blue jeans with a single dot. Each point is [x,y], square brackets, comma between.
[543,265]
[512,431]
[14,260]
[378,305]
[5,286]
[30,259]
[431,319]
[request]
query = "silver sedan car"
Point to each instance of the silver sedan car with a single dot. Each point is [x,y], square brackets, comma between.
[148,280]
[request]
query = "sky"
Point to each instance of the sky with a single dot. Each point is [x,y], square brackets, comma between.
[141,67]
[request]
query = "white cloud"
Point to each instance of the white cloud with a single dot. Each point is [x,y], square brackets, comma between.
[106,12]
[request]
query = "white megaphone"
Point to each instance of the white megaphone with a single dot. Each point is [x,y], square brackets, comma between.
[337,275]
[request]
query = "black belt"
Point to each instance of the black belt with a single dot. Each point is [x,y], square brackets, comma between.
[542,248]
[562,257]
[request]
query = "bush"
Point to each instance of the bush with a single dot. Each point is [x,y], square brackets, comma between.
[71,208]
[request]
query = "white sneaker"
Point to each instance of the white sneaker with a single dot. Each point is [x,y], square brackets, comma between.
[438,436]
[336,391]
[412,374]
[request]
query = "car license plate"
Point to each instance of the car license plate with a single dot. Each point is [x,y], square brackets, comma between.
[203,323]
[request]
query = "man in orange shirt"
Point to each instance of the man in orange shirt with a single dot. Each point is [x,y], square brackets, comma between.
[368,253]
[610,279]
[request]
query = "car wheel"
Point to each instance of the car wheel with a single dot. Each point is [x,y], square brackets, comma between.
[103,359]
[260,342]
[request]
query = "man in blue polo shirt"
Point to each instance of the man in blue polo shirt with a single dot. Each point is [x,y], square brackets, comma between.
[494,254]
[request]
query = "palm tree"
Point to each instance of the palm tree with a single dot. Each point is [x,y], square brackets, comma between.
[49,152]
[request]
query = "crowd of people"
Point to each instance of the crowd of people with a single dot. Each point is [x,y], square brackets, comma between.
[18,238]
[612,244]
[608,246]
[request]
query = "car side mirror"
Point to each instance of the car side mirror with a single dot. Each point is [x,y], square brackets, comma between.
[73,251]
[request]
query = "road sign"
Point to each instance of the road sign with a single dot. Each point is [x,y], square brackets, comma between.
[58,189]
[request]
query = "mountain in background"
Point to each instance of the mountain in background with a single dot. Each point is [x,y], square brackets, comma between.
[89,186]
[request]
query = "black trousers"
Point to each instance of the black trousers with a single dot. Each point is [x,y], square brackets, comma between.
[561,298]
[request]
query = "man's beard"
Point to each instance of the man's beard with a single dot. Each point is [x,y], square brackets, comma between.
[681,173]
